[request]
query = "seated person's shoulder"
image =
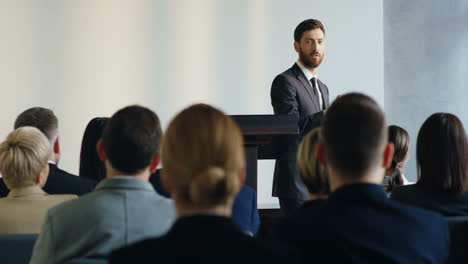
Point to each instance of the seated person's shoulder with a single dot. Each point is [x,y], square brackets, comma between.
[62,197]
[249,247]
[420,218]
[405,190]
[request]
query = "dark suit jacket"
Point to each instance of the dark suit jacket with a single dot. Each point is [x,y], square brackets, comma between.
[269,228]
[443,203]
[60,182]
[203,239]
[244,209]
[359,224]
[292,94]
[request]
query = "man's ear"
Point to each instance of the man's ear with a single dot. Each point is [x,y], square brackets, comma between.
[165,182]
[297,46]
[388,155]
[154,163]
[320,152]
[42,176]
[56,148]
[100,150]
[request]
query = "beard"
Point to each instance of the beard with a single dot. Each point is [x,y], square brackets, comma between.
[308,61]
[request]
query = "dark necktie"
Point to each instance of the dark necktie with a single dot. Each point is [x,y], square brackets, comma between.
[314,88]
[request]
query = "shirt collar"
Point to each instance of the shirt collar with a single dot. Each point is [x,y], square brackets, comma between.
[306,72]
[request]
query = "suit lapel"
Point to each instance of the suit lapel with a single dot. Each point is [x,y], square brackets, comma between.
[300,76]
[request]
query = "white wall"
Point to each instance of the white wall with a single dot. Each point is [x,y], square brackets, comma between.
[88,58]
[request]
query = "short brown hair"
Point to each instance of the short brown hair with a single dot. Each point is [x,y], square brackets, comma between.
[312,173]
[131,138]
[23,155]
[41,118]
[442,153]
[354,133]
[202,155]
[307,25]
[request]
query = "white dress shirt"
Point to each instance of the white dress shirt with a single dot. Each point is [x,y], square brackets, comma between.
[309,76]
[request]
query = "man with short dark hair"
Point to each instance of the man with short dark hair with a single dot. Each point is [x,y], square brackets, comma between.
[298,91]
[58,181]
[358,223]
[123,208]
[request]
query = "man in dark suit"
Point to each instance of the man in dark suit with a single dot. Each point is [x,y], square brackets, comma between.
[58,181]
[358,223]
[298,91]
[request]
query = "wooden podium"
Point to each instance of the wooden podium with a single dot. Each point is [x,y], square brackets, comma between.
[262,137]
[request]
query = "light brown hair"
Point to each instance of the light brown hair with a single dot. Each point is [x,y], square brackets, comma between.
[312,172]
[202,155]
[23,155]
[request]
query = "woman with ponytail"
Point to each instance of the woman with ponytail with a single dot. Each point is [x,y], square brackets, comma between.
[203,159]
[401,141]
[24,167]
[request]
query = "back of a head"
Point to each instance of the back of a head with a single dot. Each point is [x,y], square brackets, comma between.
[312,173]
[202,156]
[131,138]
[401,142]
[23,155]
[91,166]
[400,139]
[355,134]
[442,154]
[41,118]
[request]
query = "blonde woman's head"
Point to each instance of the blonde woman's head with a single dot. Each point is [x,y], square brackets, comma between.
[203,157]
[313,174]
[23,158]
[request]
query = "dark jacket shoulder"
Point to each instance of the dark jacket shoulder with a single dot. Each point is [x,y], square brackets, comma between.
[441,202]
[205,239]
[62,182]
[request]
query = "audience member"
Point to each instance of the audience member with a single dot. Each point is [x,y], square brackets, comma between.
[315,178]
[358,223]
[401,142]
[123,208]
[91,166]
[203,170]
[312,173]
[59,181]
[23,164]
[442,158]
[244,212]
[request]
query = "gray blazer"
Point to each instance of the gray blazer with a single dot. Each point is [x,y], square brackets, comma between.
[291,93]
[120,211]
